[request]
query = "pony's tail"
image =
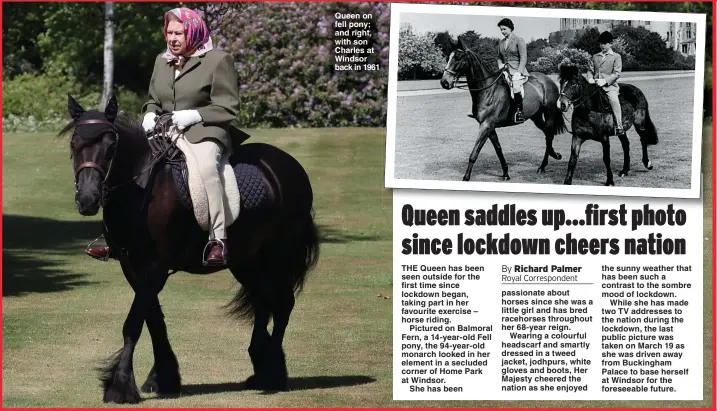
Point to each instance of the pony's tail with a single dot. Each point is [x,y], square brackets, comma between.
[559,126]
[307,252]
[294,257]
[241,307]
[649,134]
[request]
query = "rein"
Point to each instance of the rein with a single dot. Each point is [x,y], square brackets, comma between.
[161,128]
[581,100]
[466,87]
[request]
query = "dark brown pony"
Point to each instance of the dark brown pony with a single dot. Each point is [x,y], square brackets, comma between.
[593,119]
[271,248]
[493,106]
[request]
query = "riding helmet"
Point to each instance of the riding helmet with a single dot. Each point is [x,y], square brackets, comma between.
[605,37]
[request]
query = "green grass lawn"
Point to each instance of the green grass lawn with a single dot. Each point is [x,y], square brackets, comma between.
[63,312]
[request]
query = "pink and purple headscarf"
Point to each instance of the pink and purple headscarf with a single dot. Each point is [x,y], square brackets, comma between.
[195,31]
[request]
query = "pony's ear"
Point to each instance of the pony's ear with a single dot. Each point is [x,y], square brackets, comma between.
[111,109]
[74,108]
[568,69]
[460,45]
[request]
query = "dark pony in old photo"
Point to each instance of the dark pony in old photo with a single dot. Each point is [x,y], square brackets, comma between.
[593,119]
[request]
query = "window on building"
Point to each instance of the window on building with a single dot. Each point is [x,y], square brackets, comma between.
[689,30]
[684,48]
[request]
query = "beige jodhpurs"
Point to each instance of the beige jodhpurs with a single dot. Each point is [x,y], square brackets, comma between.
[208,154]
[612,95]
[516,86]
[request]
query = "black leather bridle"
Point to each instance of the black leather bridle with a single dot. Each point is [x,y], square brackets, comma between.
[105,174]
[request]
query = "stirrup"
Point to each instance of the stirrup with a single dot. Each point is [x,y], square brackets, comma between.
[87,249]
[207,247]
[515,119]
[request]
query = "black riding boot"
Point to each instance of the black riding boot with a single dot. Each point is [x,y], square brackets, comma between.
[519,111]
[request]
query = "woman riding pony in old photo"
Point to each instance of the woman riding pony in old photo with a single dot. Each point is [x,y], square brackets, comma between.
[197,84]
[513,53]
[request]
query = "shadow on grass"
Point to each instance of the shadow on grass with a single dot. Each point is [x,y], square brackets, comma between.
[523,166]
[295,384]
[333,235]
[29,247]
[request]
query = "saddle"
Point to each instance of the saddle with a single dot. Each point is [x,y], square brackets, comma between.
[251,191]
[603,102]
[603,105]
[513,108]
[244,188]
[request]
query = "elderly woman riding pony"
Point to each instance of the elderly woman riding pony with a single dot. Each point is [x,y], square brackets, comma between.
[197,84]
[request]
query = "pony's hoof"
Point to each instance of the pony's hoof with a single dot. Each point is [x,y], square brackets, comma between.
[166,388]
[466,178]
[506,178]
[558,156]
[609,183]
[648,165]
[541,170]
[150,386]
[122,395]
[623,173]
[265,384]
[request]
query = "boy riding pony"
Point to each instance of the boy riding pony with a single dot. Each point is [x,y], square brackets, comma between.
[605,71]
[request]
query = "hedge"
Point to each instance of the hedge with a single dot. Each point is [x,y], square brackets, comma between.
[285,61]
[38,102]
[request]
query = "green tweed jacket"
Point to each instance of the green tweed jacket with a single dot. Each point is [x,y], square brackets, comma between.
[206,83]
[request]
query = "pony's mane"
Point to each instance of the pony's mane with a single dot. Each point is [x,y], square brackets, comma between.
[126,126]
[569,72]
[475,58]
[129,129]
[129,125]
[65,130]
[477,52]
[131,133]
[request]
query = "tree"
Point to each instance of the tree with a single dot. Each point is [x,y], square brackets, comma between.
[22,24]
[587,40]
[649,50]
[535,48]
[70,41]
[109,55]
[218,16]
[485,47]
[418,54]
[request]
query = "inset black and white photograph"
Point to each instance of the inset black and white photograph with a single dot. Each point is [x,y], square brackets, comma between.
[545,100]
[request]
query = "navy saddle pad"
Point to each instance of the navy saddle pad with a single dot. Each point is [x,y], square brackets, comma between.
[252,188]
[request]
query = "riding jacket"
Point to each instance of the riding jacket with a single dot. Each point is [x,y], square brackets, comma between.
[607,66]
[513,52]
[208,84]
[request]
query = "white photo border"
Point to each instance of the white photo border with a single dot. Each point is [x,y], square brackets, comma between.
[696,177]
